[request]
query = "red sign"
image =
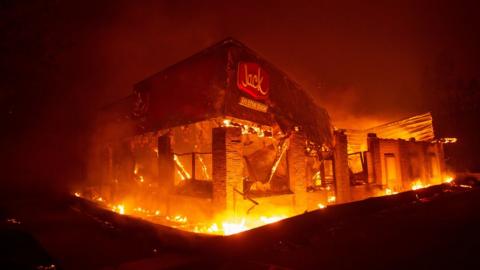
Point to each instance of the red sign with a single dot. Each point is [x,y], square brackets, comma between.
[253,80]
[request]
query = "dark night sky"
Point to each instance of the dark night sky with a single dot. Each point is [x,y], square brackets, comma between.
[365,61]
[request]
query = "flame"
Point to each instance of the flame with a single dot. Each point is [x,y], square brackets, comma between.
[145,212]
[448,179]
[390,192]
[268,220]
[317,179]
[259,131]
[213,228]
[222,225]
[246,129]
[448,140]
[177,219]
[119,209]
[226,228]
[418,185]
[135,172]
[331,199]
[233,228]
[182,171]
[180,175]
[204,167]
[227,122]
[219,226]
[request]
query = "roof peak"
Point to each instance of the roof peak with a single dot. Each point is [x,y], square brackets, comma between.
[228,40]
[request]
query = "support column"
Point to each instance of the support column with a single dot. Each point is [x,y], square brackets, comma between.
[227,166]
[297,164]
[342,176]
[375,163]
[166,163]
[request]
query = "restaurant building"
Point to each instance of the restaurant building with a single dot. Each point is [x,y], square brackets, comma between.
[226,132]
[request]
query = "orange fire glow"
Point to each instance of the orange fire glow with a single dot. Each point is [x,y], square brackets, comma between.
[448,179]
[225,225]
[119,209]
[331,199]
[418,185]
[220,225]
[182,172]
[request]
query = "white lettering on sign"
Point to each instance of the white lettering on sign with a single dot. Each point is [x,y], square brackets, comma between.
[252,104]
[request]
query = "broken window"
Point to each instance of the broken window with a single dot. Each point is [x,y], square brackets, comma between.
[320,173]
[266,164]
[357,168]
[146,165]
[328,173]
[192,154]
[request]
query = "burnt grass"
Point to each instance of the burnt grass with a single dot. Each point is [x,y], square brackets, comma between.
[434,228]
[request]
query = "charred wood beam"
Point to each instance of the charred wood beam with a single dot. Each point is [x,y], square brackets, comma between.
[245,196]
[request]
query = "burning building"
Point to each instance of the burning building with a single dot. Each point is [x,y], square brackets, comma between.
[224,133]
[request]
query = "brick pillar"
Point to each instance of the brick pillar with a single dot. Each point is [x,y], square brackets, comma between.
[342,176]
[227,166]
[404,147]
[297,165]
[166,164]
[370,168]
[375,163]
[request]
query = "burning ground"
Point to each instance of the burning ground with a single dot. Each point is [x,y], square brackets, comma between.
[434,227]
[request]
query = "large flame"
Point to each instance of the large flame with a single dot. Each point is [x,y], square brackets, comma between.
[226,224]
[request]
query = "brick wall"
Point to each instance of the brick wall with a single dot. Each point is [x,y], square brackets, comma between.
[412,158]
[166,163]
[374,160]
[342,176]
[297,171]
[227,166]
